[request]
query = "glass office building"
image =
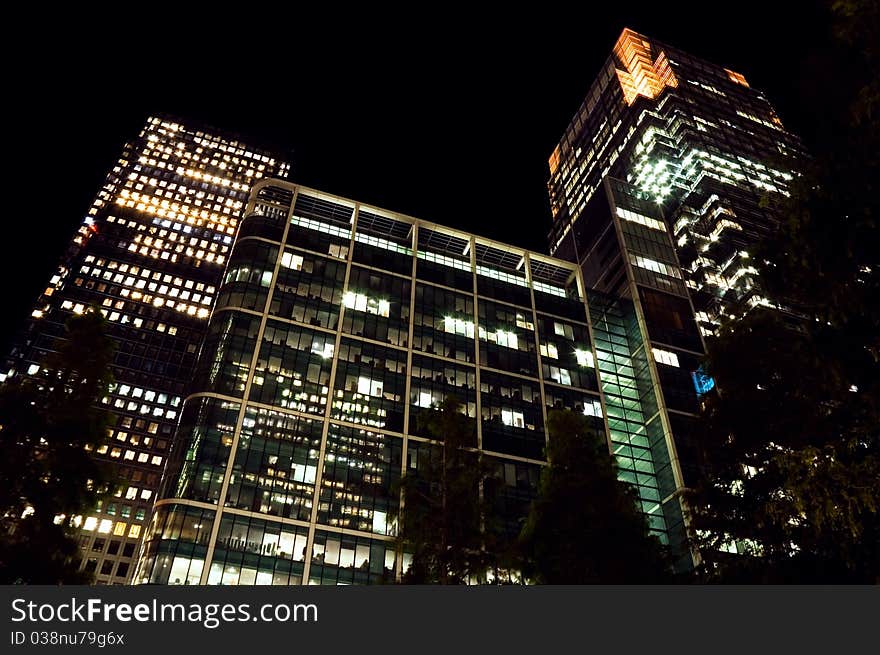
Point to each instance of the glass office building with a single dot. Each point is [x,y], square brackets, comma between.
[669,171]
[338,324]
[150,253]
[631,257]
[706,146]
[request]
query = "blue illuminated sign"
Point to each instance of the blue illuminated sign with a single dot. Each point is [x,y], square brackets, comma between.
[702,382]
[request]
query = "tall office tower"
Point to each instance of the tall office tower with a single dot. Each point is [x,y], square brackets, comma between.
[671,168]
[630,256]
[150,252]
[708,148]
[336,326]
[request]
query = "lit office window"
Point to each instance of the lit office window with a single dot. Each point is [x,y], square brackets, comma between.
[584,358]
[369,387]
[513,418]
[560,375]
[665,357]
[362,303]
[289,260]
[458,326]
[563,330]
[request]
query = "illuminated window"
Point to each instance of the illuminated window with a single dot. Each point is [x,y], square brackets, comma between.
[523,323]
[324,349]
[105,526]
[356,301]
[458,326]
[305,474]
[665,357]
[563,330]
[508,339]
[289,260]
[652,265]
[513,418]
[641,219]
[362,303]
[369,387]
[340,252]
[584,358]
[560,375]
[90,524]
[380,525]
[425,400]
[593,408]
[549,350]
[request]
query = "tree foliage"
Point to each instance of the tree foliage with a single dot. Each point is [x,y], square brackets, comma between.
[791,458]
[46,424]
[585,527]
[447,509]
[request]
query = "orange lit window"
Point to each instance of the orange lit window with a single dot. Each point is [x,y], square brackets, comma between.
[642,77]
[736,77]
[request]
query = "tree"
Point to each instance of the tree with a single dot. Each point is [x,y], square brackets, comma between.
[585,527]
[792,442]
[445,505]
[790,459]
[47,477]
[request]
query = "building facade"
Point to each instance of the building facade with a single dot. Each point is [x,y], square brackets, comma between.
[335,327]
[707,147]
[150,253]
[629,255]
[670,170]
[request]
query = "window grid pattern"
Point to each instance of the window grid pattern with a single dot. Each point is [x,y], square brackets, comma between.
[344,387]
[627,416]
[150,253]
[707,149]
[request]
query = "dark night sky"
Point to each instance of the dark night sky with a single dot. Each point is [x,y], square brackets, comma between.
[450,119]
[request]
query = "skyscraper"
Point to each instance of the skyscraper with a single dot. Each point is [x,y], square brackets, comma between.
[671,168]
[707,147]
[337,325]
[150,252]
[630,256]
